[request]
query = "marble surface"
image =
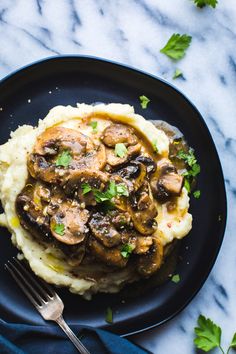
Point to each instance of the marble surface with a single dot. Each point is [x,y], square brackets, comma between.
[133,32]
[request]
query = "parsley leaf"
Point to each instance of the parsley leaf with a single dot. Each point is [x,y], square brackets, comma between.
[120,150]
[94,125]
[176,46]
[197,194]
[154,145]
[187,185]
[86,188]
[59,229]
[202,3]
[64,159]
[126,250]
[112,191]
[121,189]
[144,100]
[175,278]
[189,157]
[177,74]
[208,334]
[233,342]
[193,169]
[109,315]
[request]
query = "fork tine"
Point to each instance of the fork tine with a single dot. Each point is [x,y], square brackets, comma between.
[40,285]
[27,283]
[27,293]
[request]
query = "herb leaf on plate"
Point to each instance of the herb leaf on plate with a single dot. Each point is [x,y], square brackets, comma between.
[144,100]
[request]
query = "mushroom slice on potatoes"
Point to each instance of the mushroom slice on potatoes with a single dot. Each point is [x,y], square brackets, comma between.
[151,261]
[79,179]
[119,134]
[114,160]
[143,211]
[110,256]
[32,218]
[108,228]
[46,162]
[167,183]
[134,173]
[68,224]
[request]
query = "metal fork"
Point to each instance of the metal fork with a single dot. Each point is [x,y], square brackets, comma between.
[44,298]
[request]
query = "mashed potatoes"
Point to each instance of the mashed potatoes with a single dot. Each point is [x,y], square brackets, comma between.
[44,260]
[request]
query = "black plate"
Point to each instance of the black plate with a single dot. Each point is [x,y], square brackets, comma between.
[28,94]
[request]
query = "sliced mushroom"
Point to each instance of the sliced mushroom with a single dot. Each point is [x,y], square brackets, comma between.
[54,139]
[94,159]
[110,256]
[78,178]
[68,225]
[142,244]
[119,133]
[101,228]
[134,172]
[114,160]
[150,262]
[168,183]
[74,253]
[43,162]
[150,164]
[32,218]
[143,211]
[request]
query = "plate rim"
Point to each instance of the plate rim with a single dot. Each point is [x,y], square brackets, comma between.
[133,69]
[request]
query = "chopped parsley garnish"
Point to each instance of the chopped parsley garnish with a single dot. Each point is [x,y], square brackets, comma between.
[59,229]
[126,250]
[64,159]
[176,46]
[94,125]
[109,315]
[144,100]
[112,191]
[121,189]
[197,194]
[187,185]
[120,150]
[188,157]
[193,169]
[154,145]
[175,278]
[177,74]
[86,188]
[202,3]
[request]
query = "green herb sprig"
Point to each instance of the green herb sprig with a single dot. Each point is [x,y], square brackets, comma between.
[112,191]
[193,169]
[208,336]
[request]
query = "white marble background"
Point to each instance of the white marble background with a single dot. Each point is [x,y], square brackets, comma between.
[132,32]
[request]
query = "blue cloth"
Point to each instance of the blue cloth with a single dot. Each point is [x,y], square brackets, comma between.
[50,339]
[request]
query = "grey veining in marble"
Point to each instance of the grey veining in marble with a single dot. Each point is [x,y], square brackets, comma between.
[132,32]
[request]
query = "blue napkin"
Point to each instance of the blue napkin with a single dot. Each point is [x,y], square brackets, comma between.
[28,339]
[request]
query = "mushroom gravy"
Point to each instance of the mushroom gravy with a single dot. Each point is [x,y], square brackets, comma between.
[95,204]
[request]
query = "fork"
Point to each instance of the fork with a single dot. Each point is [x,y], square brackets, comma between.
[44,298]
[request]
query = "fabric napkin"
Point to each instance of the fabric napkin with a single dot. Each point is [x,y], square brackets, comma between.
[50,339]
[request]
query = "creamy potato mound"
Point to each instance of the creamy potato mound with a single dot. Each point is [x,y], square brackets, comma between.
[100,270]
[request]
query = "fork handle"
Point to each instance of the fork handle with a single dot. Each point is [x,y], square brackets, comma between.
[77,343]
